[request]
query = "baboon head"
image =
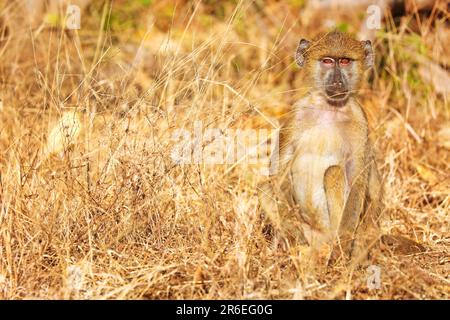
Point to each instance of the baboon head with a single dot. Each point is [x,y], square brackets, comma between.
[334,63]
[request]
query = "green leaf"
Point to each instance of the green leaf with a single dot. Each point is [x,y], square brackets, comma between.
[146,2]
[343,26]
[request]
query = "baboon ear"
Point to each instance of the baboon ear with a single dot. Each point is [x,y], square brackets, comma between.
[303,45]
[368,53]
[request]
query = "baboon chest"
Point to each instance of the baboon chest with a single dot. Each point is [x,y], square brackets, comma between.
[317,148]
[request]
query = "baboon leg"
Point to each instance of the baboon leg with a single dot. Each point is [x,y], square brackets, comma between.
[354,207]
[276,202]
[269,204]
[368,229]
[374,198]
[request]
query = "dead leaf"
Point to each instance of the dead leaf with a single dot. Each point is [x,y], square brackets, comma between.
[402,245]
[435,75]
[444,138]
[426,174]
[64,133]
[199,275]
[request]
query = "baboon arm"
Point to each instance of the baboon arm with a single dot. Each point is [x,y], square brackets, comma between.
[334,184]
[342,211]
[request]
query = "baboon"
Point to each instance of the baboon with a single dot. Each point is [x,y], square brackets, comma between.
[327,170]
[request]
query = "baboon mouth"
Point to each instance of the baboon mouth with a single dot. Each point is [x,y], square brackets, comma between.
[337,99]
[333,95]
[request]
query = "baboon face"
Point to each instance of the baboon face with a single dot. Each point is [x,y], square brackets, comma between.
[337,75]
[334,63]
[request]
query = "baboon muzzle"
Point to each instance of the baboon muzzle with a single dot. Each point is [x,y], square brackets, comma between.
[336,86]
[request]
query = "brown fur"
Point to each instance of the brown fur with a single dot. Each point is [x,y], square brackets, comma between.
[328,177]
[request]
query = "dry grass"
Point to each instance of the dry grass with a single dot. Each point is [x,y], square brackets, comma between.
[103,212]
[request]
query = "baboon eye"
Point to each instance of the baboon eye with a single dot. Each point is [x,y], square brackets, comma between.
[327,61]
[344,61]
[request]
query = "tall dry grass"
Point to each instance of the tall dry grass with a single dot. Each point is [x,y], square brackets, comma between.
[93,207]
